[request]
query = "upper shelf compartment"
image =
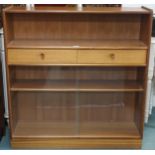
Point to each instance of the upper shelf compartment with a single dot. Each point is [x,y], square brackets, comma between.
[104,29]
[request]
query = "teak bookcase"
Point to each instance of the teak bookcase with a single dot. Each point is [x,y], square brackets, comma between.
[77,79]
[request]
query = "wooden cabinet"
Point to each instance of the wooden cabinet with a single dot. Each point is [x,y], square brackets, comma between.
[77,79]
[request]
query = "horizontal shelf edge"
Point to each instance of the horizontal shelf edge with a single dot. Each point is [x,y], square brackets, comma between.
[79,90]
[77,48]
[136,65]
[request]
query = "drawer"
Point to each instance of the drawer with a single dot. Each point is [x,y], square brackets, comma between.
[113,57]
[41,56]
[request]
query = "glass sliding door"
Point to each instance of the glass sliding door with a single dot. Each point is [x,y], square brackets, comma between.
[107,101]
[76,101]
[43,101]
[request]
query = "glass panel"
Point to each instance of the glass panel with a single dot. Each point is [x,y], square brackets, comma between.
[107,101]
[76,101]
[43,78]
[42,102]
[109,79]
[107,114]
[43,114]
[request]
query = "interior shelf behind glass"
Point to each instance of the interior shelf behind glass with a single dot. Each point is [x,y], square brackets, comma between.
[38,114]
[83,79]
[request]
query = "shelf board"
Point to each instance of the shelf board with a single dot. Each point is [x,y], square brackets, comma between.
[78,44]
[42,85]
[82,86]
[110,86]
[44,129]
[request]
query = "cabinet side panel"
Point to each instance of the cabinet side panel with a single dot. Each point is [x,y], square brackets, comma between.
[145,36]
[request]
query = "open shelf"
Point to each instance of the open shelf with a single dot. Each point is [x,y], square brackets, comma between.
[77,44]
[64,129]
[81,85]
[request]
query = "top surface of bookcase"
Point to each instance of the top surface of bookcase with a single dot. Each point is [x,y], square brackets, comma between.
[118,10]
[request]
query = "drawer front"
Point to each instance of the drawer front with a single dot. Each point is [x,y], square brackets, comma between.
[41,56]
[113,57]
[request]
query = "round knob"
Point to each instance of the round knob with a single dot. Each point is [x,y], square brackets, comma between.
[42,55]
[112,56]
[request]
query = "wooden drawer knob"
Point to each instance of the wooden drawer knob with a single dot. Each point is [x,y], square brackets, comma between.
[42,55]
[112,56]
